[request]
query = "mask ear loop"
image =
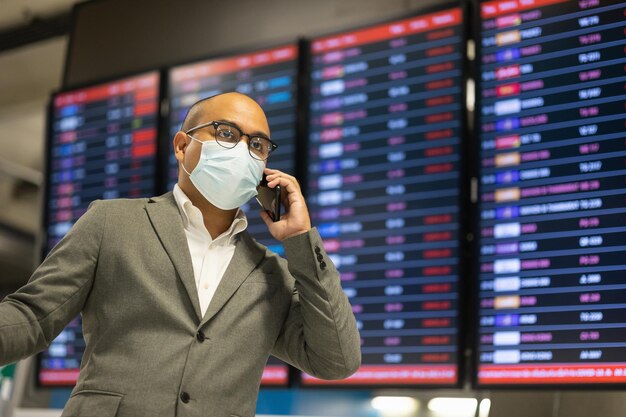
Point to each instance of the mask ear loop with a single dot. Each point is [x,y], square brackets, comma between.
[183,163]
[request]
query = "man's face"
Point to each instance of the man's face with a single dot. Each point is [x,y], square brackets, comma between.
[234,108]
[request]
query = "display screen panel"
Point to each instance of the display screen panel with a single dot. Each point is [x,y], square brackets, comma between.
[102,144]
[268,76]
[384,189]
[552,194]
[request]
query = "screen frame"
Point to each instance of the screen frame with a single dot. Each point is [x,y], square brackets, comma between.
[464,187]
[165,137]
[475,172]
[42,237]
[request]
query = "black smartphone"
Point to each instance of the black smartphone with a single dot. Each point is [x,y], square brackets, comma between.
[269,199]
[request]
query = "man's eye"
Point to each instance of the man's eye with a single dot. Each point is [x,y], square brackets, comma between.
[226,134]
[256,144]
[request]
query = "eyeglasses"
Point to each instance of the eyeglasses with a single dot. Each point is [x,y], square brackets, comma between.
[229,135]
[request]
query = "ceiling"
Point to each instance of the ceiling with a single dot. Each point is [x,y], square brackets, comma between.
[16,13]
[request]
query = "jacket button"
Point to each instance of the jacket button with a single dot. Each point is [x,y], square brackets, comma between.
[323,265]
[200,336]
[184,397]
[317,249]
[320,257]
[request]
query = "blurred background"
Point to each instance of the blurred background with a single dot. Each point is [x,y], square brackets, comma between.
[55,49]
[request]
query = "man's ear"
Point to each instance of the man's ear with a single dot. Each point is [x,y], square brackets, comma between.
[180,145]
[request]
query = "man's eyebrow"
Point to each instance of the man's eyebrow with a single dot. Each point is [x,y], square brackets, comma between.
[257,133]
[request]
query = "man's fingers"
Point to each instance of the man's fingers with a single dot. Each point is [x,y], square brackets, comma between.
[287,183]
[266,218]
[273,175]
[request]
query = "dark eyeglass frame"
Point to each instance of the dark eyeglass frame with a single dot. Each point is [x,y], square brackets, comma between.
[216,124]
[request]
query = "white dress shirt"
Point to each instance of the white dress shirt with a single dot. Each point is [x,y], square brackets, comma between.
[209,257]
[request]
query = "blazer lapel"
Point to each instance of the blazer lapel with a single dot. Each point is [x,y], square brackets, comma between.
[167,222]
[247,256]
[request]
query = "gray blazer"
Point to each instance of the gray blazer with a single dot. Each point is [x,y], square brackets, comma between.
[126,266]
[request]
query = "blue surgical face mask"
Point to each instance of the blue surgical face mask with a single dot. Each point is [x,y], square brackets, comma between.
[226,177]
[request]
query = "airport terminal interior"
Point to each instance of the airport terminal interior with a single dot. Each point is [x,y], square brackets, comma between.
[464,162]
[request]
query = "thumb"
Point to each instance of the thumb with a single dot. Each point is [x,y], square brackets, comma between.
[266,218]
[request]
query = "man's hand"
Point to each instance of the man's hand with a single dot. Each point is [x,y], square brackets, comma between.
[295,219]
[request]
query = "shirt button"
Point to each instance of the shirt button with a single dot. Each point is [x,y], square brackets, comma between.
[200,336]
[184,397]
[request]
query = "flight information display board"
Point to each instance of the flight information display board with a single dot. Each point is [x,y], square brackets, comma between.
[552,193]
[384,189]
[102,144]
[270,77]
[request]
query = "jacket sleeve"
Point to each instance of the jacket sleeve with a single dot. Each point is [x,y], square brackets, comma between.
[320,335]
[56,292]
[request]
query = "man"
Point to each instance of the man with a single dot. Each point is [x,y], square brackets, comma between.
[181,307]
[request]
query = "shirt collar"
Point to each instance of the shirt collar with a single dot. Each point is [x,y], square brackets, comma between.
[194,222]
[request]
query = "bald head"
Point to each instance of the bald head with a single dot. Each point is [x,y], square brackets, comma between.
[200,111]
[235,109]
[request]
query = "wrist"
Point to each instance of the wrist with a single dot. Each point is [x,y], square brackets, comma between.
[298,233]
